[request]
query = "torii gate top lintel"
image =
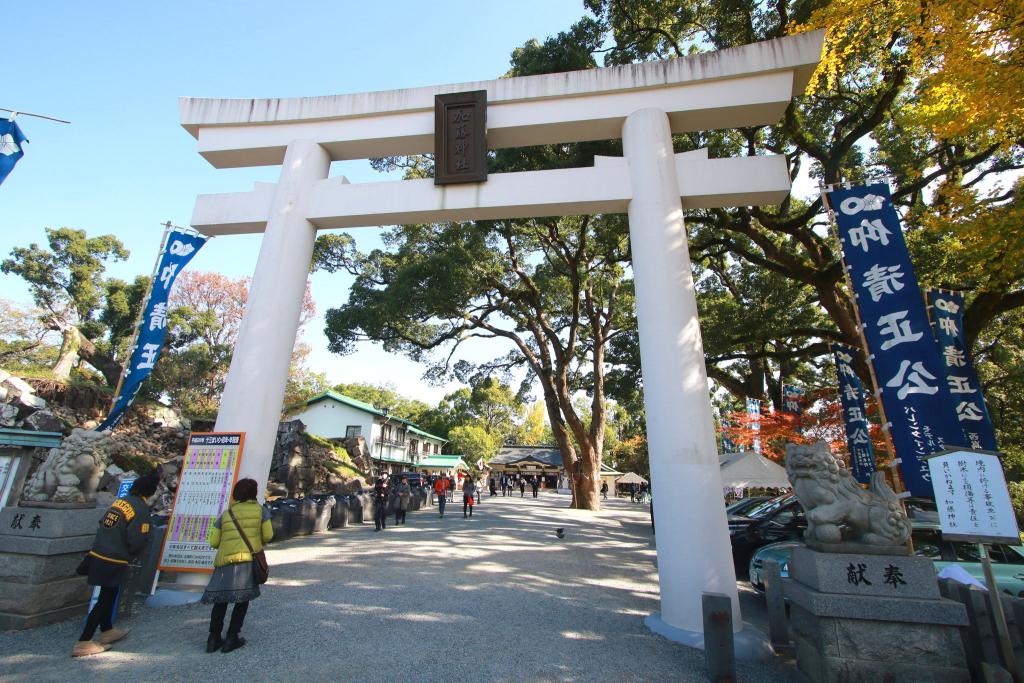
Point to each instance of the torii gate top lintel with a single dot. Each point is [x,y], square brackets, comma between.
[528,110]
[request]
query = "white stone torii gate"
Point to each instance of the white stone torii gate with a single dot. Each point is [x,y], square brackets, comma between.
[644,104]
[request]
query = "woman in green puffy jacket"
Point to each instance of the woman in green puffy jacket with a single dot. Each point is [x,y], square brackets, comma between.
[232,580]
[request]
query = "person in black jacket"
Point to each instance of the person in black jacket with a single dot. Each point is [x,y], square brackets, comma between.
[122,534]
[380,505]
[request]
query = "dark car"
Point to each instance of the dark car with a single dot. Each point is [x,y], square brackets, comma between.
[744,505]
[777,519]
[415,478]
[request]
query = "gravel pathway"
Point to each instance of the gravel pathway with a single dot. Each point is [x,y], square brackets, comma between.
[497,597]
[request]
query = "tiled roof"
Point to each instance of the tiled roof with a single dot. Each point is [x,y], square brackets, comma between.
[358,405]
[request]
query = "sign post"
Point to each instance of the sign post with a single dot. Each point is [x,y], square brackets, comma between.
[974,506]
[204,490]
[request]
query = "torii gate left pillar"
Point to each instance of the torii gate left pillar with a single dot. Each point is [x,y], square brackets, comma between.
[644,105]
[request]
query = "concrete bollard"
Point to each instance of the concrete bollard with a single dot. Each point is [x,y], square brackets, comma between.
[778,625]
[719,653]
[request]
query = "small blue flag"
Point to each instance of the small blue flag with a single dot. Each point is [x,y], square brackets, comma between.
[11,146]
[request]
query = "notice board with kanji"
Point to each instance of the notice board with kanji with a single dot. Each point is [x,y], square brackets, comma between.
[972,498]
[207,477]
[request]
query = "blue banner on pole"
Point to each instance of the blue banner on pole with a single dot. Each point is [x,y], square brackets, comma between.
[12,147]
[179,249]
[754,415]
[904,355]
[855,416]
[792,399]
[947,313]
[728,445]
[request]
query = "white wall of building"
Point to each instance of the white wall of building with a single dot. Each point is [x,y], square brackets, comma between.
[329,419]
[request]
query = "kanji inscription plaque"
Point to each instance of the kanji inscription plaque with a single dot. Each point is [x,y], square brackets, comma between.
[460,137]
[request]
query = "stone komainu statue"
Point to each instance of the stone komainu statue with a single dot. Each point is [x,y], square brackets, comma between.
[71,472]
[838,510]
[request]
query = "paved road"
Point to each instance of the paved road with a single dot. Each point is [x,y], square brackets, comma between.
[494,598]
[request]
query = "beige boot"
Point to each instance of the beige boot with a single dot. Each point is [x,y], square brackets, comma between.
[84,648]
[112,636]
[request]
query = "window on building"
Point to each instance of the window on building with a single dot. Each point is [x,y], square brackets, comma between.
[414,447]
[437,449]
[352,431]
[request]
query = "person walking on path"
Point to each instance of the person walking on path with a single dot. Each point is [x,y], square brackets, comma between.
[404,496]
[380,505]
[604,490]
[468,491]
[238,534]
[122,534]
[441,489]
[522,487]
[534,485]
[451,488]
[492,486]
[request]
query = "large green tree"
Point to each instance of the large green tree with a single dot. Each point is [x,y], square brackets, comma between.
[68,286]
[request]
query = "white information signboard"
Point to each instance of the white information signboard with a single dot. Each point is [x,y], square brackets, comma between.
[974,504]
[204,490]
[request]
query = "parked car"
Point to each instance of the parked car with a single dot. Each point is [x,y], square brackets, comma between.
[415,478]
[777,519]
[744,505]
[1007,560]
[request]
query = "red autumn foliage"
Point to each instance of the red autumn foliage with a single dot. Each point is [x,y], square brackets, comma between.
[822,420]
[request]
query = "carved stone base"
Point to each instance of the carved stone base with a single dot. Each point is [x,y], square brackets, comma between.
[873,618]
[853,548]
[39,551]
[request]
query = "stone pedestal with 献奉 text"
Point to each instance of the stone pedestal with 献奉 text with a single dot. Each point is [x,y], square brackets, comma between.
[40,548]
[868,617]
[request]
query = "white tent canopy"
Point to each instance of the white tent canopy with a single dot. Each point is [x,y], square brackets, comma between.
[630,478]
[750,470]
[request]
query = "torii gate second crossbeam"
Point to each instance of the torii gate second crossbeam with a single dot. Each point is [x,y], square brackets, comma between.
[644,104]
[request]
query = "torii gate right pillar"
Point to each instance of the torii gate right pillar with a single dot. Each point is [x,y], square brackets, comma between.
[694,556]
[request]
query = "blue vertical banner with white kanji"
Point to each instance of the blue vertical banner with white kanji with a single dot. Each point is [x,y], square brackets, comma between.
[179,248]
[728,445]
[947,313]
[906,360]
[855,417]
[754,417]
[792,399]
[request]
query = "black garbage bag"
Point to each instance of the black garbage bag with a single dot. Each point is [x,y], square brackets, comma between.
[324,508]
[283,519]
[339,513]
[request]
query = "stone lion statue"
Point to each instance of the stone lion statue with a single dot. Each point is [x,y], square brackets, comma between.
[838,509]
[71,472]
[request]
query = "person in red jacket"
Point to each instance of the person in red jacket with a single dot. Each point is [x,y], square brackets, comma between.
[441,489]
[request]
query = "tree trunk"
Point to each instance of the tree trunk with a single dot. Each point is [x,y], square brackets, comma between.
[69,346]
[586,481]
[109,367]
[74,346]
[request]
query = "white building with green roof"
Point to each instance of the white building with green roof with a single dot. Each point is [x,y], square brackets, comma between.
[394,443]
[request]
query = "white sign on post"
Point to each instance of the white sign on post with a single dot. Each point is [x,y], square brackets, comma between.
[970,491]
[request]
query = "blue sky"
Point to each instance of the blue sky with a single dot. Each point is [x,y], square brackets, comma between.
[125,165]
